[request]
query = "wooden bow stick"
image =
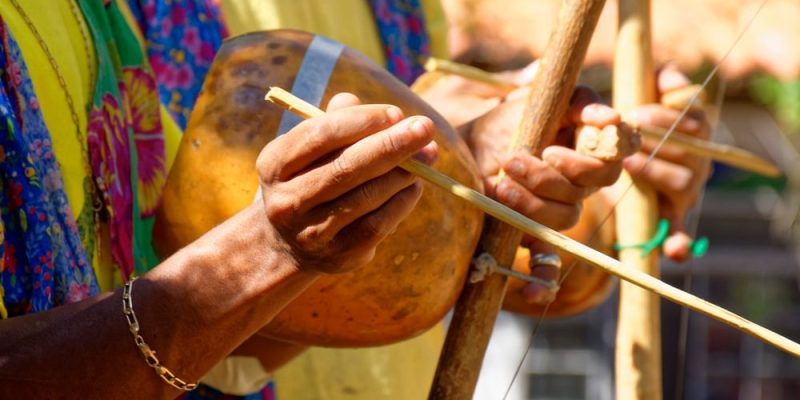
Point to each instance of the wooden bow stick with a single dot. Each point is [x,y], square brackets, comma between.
[479,303]
[288,101]
[725,154]
[638,343]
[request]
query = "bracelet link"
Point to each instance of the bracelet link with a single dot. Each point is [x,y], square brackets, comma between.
[149,354]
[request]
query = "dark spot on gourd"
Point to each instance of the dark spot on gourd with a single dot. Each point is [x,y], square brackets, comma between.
[279,60]
[243,69]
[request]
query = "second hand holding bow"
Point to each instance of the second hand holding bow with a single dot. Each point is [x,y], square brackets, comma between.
[290,102]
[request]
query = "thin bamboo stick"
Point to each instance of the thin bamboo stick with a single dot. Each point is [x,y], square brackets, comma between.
[467,71]
[725,154]
[288,101]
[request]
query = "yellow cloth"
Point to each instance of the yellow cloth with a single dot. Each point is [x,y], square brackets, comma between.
[400,371]
[67,36]
[347,21]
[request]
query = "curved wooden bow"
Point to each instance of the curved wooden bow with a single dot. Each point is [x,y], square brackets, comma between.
[477,307]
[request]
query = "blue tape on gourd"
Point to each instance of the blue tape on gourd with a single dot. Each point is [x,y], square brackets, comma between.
[312,77]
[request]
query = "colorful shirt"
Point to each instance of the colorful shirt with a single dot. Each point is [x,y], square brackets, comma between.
[42,260]
[122,147]
[398,34]
[182,38]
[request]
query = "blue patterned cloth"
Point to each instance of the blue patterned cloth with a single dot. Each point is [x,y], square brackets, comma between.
[182,38]
[43,263]
[406,45]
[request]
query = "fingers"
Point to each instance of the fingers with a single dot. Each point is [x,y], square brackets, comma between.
[317,137]
[582,170]
[325,221]
[551,191]
[538,177]
[678,246]
[552,213]
[535,293]
[363,235]
[671,180]
[367,159]
[657,115]
[671,78]
[678,187]
[538,294]
[343,100]
[332,188]
[581,98]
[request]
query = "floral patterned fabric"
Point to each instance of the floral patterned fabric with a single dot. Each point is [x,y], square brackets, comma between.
[406,45]
[125,137]
[42,261]
[205,392]
[182,38]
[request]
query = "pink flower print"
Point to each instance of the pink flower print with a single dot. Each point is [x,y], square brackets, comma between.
[149,9]
[382,11]
[179,15]
[159,65]
[191,39]
[16,195]
[149,137]
[109,154]
[206,53]
[182,76]
[77,292]
[10,260]
[414,25]
[166,27]
[14,73]
[401,65]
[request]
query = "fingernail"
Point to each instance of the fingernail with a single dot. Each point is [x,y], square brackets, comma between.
[643,117]
[550,159]
[419,126]
[630,163]
[600,113]
[516,168]
[512,195]
[691,125]
[394,114]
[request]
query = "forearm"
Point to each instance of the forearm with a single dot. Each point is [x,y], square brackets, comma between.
[193,309]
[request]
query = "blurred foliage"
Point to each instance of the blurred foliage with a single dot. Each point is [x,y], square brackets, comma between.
[761,299]
[729,178]
[781,97]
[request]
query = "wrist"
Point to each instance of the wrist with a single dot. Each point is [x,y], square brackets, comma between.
[237,267]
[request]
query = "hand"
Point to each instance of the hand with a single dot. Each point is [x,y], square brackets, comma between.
[461,100]
[676,175]
[332,188]
[550,189]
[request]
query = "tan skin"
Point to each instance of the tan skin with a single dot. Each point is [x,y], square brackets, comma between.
[550,194]
[200,304]
[552,188]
